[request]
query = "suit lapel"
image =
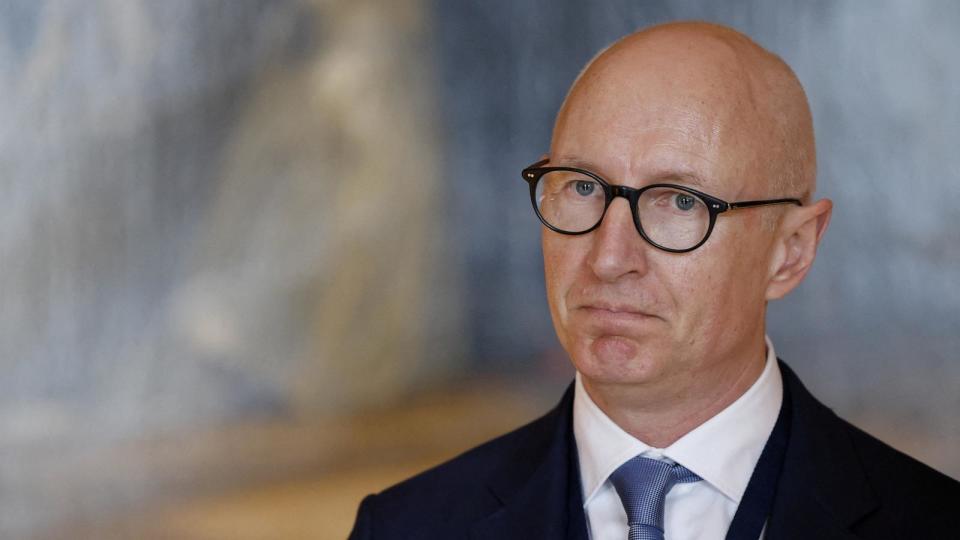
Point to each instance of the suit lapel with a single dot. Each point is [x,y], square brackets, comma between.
[822,490]
[539,490]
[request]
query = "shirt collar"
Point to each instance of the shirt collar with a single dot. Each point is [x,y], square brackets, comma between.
[723,450]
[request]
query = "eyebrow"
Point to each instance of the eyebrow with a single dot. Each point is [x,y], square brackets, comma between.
[668,176]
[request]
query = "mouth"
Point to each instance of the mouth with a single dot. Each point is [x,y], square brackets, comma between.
[618,309]
[612,318]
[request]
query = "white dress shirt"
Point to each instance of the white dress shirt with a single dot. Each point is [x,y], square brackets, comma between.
[723,451]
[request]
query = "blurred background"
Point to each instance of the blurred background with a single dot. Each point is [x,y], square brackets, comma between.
[262,257]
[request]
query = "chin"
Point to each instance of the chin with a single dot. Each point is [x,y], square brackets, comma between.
[618,360]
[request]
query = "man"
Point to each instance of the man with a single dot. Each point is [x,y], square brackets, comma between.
[676,201]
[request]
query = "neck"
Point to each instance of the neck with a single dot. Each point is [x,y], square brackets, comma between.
[660,413]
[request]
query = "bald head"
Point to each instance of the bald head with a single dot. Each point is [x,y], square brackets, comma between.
[733,99]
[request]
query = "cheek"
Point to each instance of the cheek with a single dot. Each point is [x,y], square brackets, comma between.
[689,288]
[721,294]
[562,261]
[554,265]
[700,293]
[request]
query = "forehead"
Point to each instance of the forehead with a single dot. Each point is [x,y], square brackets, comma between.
[648,115]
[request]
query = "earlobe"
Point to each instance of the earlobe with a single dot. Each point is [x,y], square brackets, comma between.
[796,248]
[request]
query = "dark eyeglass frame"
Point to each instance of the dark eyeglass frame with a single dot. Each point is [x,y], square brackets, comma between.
[715,206]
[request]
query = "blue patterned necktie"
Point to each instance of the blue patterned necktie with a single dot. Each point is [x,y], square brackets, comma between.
[642,484]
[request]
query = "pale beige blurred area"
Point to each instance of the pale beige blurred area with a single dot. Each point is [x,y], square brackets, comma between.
[324,225]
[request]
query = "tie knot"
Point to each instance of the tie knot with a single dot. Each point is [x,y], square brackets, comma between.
[642,484]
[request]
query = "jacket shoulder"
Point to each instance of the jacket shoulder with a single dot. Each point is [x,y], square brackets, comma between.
[909,491]
[892,470]
[858,477]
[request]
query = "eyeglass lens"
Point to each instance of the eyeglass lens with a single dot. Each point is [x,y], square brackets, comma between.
[671,217]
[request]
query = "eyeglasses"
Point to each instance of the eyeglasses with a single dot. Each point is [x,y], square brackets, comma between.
[673,218]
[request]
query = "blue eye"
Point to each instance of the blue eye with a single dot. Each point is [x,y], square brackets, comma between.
[684,201]
[585,187]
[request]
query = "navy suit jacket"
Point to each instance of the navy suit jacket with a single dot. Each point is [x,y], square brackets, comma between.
[836,482]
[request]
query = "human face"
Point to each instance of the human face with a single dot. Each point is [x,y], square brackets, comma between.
[626,312]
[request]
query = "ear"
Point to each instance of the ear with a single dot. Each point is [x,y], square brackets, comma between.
[795,246]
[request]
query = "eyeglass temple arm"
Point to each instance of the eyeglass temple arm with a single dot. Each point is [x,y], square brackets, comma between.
[748,204]
[540,163]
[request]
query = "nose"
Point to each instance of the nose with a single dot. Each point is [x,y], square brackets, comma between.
[617,249]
